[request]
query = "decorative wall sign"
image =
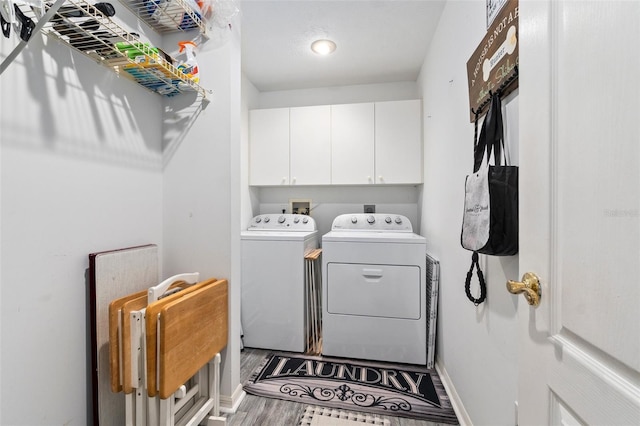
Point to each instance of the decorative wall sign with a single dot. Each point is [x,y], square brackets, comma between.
[495,59]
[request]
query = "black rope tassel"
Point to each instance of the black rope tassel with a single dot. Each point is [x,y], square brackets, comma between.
[483,285]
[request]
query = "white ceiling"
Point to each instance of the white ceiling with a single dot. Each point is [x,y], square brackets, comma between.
[378,41]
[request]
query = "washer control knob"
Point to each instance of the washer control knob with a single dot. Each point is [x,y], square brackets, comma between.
[398,220]
[296,219]
[281,219]
[354,219]
[371,219]
[387,219]
[305,220]
[267,219]
[258,219]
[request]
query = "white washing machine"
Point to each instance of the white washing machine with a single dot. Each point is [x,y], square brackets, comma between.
[273,280]
[374,289]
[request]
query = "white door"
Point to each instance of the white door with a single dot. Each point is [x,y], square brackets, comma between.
[579,357]
[269,146]
[310,129]
[352,141]
[398,141]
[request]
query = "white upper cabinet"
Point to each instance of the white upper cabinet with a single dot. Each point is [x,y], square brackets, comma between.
[352,142]
[269,146]
[310,129]
[398,146]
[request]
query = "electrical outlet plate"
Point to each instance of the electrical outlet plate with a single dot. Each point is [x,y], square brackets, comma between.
[369,208]
[300,206]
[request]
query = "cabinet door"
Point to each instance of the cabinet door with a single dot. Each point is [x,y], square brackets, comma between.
[398,146]
[352,144]
[310,145]
[269,146]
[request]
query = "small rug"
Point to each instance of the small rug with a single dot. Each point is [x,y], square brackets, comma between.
[322,416]
[371,387]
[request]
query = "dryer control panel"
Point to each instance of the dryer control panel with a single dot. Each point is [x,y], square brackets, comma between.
[378,222]
[282,222]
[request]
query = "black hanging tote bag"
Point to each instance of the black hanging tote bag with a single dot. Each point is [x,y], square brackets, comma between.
[490,218]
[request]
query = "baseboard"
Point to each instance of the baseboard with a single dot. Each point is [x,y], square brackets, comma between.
[456,402]
[229,404]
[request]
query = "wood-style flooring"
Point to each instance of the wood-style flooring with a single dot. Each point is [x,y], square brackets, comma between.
[255,410]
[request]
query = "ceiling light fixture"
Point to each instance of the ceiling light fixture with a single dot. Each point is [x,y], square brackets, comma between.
[323,47]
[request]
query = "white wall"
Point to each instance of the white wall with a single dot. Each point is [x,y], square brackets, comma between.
[476,345]
[201,189]
[327,202]
[249,195]
[81,172]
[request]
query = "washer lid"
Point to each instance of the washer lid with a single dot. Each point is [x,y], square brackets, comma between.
[373,237]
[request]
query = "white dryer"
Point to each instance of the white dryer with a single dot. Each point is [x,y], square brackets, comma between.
[273,280]
[374,289]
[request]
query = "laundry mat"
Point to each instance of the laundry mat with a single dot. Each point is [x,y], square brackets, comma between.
[370,387]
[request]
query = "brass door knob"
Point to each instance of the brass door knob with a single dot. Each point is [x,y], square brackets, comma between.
[529,287]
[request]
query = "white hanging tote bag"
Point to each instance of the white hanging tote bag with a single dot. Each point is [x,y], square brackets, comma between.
[477,213]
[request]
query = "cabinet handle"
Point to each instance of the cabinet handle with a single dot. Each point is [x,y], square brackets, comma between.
[293,180]
[380,178]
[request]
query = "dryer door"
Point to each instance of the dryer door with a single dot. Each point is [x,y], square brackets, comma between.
[389,291]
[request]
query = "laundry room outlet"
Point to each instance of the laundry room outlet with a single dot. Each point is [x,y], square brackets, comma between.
[300,206]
